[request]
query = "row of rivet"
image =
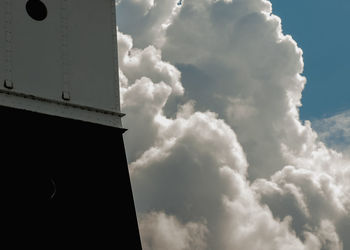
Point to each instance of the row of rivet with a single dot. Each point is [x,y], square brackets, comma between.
[115,40]
[65,50]
[8,45]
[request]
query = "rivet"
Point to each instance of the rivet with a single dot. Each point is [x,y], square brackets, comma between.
[65,95]
[8,84]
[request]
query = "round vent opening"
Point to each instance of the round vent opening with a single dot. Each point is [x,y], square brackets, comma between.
[36,9]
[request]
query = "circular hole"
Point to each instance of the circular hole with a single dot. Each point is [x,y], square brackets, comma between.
[36,10]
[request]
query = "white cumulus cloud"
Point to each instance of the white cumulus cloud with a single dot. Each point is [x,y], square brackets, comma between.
[217,154]
[160,231]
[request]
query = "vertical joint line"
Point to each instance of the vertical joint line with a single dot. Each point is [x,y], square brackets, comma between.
[8,44]
[115,46]
[65,50]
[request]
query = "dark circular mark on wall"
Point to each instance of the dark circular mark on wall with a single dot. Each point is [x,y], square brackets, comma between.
[36,9]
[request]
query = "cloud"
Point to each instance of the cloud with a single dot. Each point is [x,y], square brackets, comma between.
[240,61]
[193,168]
[253,69]
[161,231]
[147,19]
[230,166]
[136,63]
[335,131]
[309,196]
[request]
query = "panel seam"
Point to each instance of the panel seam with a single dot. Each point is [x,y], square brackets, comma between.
[66,95]
[8,41]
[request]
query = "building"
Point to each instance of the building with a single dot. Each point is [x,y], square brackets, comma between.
[64,177]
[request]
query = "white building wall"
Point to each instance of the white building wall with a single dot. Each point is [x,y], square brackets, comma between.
[64,65]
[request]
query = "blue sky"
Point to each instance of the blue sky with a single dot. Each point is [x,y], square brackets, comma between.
[321,30]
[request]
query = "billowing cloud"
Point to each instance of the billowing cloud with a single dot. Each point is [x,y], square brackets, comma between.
[335,131]
[230,165]
[160,231]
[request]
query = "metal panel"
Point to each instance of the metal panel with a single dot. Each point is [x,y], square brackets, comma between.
[64,64]
[91,49]
[36,51]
